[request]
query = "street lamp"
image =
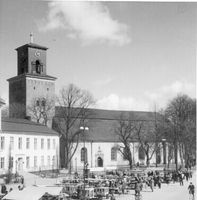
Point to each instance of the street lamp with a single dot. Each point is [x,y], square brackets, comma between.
[84,128]
[164,150]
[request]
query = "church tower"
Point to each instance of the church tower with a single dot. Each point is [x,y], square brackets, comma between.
[31,81]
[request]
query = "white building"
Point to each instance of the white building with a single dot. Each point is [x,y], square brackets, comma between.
[27,146]
[101,141]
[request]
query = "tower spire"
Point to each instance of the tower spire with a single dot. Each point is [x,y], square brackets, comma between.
[31,38]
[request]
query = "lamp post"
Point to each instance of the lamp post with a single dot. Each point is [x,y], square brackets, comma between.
[84,128]
[164,151]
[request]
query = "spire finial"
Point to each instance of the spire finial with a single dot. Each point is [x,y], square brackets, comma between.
[31,38]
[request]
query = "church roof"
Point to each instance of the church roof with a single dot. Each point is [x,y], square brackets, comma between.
[23,126]
[39,76]
[102,123]
[33,45]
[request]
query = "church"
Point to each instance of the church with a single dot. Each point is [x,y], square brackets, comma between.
[30,146]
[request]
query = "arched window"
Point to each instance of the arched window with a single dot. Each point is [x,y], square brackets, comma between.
[38,67]
[84,154]
[43,102]
[141,153]
[158,156]
[114,153]
[37,103]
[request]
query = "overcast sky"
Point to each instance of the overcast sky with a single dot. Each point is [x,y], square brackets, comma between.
[129,55]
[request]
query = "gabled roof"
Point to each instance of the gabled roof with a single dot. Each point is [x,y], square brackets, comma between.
[23,126]
[33,45]
[102,123]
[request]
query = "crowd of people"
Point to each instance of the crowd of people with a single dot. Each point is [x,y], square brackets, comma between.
[121,182]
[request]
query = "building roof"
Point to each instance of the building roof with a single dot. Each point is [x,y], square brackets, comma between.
[102,123]
[33,45]
[23,126]
[28,75]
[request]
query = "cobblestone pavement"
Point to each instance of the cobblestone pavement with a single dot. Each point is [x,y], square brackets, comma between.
[167,192]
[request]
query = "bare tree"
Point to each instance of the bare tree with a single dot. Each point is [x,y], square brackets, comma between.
[148,138]
[41,109]
[124,129]
[70,115]
[5,111]
[180,116]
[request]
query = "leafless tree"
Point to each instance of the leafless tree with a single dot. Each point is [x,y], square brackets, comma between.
[41,109]
[180,116]
[70,115]
[5,111]
[124,129]
[148,138]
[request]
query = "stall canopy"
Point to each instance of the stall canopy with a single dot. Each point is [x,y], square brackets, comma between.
[32,193]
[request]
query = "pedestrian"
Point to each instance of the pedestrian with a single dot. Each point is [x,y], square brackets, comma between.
[181,179]
[22,180]
[3,189]
[191,189]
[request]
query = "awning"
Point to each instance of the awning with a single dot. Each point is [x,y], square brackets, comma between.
[32,193]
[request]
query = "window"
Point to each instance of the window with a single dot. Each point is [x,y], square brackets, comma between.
[37,103]
[42,160]
[141,153]
[158,156]
[27,162]
[42,143]
[38,67]
[48,143]
[2,142]
[11,142]
[84,154]
[53,143]
[48,160]
[2,164]
[53,161]
[20,143]
[11,162]
[35,143]
[114,153]
[35,161]
[43,103]
[27,143]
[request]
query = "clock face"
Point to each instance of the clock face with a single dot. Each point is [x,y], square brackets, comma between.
[37,53]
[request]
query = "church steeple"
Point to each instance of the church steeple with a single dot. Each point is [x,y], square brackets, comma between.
[31,81]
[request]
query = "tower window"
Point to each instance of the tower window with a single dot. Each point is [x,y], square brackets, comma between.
[38,67]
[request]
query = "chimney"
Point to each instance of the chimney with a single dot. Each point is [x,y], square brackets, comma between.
[1,105]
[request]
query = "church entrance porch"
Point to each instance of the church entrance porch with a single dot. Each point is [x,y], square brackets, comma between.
[99,162]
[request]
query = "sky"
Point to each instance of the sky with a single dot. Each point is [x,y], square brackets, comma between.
[129,55]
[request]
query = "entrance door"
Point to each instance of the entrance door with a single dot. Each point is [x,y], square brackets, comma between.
[20,164]
[100,162]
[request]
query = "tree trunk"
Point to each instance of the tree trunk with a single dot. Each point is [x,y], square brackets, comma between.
[175,155]
[147,160]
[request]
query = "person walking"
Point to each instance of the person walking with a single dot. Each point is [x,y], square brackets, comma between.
[191,189]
